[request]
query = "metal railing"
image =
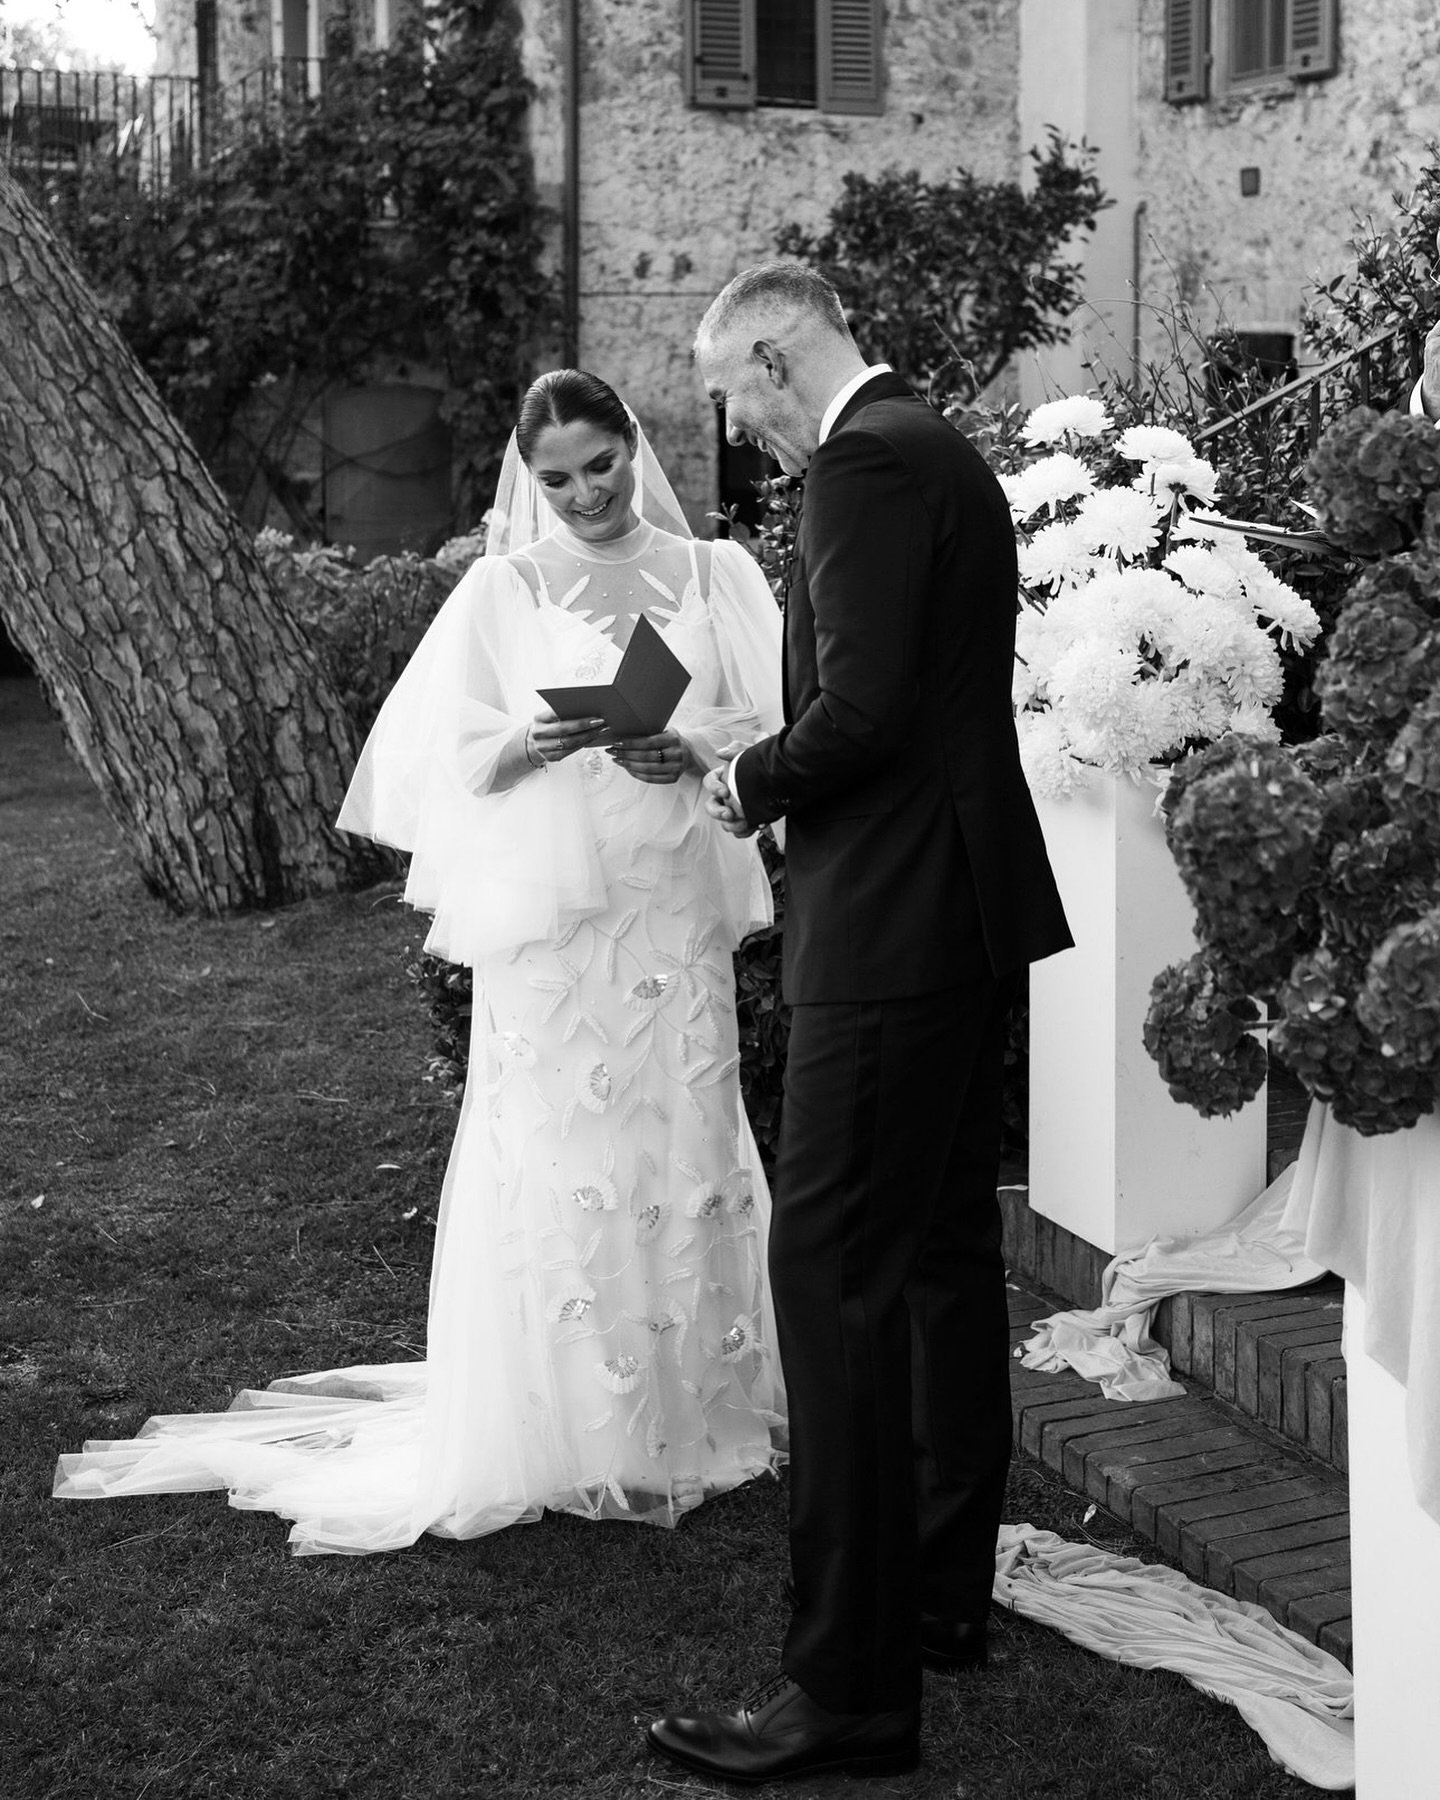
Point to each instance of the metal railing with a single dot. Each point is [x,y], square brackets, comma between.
[54,121]
[1315,399]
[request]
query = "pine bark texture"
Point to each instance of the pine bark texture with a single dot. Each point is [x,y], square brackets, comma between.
[187,690]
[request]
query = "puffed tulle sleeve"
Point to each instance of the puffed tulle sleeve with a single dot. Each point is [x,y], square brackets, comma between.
[495,868]
[748,631]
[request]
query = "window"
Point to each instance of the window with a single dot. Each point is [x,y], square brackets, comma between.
[1239,367]
[1245,43]
[813,53]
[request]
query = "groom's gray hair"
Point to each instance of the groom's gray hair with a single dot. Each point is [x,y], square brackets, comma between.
[776,294]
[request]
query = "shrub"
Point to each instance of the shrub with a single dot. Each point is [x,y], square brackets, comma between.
[365,620]
[946,280]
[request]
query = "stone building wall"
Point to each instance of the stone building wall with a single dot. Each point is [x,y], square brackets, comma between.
[1327,152]
[674,199]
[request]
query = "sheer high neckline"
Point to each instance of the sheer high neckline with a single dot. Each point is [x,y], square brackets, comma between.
[625,548]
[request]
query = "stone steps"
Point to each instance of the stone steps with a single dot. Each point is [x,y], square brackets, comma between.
[1217,1492]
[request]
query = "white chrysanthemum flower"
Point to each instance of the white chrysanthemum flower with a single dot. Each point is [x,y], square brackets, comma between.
[1234,551]
[1252,671]
[1193,476]
[1119,520]
[1054,556]
[1287,613]
[1205,572]
[1255,721]
[1146,607]
[594,1087]
[621,1374]
[1046,484]
[1077,415]
[1106,720]
[1050,770]
[650,992]
[1154,444]
[1094,679]
[1187,529]
[1200,707]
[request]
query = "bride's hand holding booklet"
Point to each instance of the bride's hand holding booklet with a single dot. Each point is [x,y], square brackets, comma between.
[641,698]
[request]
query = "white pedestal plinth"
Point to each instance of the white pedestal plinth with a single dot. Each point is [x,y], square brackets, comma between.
[1113,1159]
[1395,1586]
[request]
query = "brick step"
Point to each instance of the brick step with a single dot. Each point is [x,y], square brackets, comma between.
[1217,1492]
[1274,1356]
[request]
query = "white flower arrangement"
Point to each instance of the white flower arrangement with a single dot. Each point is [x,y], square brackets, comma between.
[1142,629]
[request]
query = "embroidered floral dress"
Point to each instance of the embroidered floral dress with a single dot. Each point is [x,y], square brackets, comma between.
[599,1336]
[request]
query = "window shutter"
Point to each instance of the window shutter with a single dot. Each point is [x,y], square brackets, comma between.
[851,78]
[721,52]
[1187,60]
[1310,39]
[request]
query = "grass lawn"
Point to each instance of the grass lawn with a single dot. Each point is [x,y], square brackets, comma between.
[218,1164]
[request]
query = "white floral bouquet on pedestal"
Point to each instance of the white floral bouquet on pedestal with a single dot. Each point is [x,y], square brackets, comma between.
[1144,631]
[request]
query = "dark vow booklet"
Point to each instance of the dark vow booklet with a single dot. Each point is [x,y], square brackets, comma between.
[644,693]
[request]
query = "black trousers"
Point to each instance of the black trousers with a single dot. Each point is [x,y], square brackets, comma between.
[889,1289]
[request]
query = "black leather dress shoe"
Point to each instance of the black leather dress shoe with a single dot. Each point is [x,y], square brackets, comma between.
[782,1733]
[952,1645]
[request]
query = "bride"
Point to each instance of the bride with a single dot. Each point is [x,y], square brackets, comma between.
[599,1337]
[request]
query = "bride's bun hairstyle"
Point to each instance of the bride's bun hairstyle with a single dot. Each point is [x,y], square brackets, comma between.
[565,396]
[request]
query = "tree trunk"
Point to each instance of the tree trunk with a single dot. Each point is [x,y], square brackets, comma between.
[216,739]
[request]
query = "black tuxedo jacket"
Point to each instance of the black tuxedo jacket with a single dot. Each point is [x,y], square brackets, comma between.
[912,850]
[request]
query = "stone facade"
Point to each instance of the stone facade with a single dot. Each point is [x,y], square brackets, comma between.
[674,199]
[1327,152]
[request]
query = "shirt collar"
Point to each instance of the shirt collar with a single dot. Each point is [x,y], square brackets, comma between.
[833,410]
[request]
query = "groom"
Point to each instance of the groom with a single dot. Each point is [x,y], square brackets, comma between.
[918,889]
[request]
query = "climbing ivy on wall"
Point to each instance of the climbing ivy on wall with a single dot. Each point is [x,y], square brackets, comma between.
[392,216]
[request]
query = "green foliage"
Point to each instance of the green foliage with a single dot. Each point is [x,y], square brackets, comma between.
[390,217]
[447,991]
[365,621]
[947,280]
[1393,284]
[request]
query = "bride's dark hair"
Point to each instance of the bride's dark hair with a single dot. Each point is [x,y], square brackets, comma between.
[564,396]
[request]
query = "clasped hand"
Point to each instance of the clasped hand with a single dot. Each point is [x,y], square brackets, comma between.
[661,758]
[722,805]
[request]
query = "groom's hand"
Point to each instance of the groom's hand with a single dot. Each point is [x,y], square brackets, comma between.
[723,807]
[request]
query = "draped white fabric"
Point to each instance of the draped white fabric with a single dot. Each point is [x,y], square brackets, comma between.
[1369,1208]
[599,1335]
[1259,1251]
[1299,1698]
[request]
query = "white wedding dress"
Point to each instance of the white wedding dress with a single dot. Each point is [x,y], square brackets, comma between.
[599,1336]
